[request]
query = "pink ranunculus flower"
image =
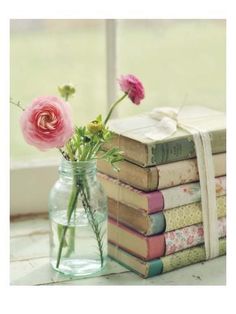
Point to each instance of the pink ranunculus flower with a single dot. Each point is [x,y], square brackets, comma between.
[47,123]
[132,86]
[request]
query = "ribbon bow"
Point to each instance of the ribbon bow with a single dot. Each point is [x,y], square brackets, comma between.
[167,123]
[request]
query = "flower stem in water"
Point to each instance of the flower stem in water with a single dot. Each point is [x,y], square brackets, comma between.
[71,208]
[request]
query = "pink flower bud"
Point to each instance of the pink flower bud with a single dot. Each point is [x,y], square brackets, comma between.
[131,85]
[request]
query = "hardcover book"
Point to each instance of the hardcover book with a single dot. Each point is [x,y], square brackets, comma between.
[162,176]
[164,264]
[132,136]
[167,220]
[152,202]
[150,247]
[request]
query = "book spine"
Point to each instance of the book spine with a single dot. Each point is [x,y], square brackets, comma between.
[143,269]
[161,153]
[156,224]
[124,237]
[155,246]
[155,267]
[155,201]
[182,148]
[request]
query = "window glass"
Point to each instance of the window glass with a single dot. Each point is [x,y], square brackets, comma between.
[178,61]
[48,53]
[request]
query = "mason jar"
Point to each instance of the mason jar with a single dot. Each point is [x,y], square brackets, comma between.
[78,220]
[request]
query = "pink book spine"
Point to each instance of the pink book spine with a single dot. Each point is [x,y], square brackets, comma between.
[155,202]
[155,245]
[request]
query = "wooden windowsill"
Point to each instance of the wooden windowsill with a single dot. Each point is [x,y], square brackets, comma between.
[30,263]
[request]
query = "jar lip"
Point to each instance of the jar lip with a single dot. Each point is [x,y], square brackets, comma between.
[69,166]
[79,162]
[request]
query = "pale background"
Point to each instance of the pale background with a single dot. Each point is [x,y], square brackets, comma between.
[183,8]
[178,61]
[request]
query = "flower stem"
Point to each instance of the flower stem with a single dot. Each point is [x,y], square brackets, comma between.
[63,153]
[18,104]
[94,150]
[63,234]
[80,187]
[71,208]
[69,151]
[92,220]
[113,107]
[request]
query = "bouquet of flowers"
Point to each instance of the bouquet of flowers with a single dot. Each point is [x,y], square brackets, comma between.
[47,123]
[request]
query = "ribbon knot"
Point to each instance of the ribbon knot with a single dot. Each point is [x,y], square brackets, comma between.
[168,122]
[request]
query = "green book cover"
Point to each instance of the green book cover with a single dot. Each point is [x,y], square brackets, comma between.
[132,135]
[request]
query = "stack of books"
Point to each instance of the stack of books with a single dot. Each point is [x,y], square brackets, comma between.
[154,201]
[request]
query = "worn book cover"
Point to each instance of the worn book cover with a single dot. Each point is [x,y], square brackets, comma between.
[164,264]
[162,176]
[167,220]
[150,247]
[152,202]
[164,244]
[132,135]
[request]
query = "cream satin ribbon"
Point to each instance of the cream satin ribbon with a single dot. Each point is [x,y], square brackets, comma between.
[169,120]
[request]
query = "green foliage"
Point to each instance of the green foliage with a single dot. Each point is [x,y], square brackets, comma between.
[87,141]
[113,156]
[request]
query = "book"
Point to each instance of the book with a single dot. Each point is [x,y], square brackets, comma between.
[181,239]
[164,264]
[162,176]
[131,135]
[152,202]
[167,220]
[150,247]
[168,242]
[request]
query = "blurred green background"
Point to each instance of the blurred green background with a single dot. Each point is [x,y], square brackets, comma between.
[178,61]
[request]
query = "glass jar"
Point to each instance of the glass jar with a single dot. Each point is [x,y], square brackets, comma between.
[78,220]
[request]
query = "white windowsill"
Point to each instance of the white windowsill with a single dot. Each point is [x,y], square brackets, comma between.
[30,184]
[30,263]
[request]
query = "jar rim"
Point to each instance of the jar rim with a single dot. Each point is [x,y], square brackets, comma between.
[79,162]
[80,166]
